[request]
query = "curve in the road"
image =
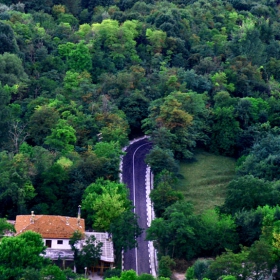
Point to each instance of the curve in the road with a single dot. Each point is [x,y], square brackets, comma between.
[133,171]
[134,176]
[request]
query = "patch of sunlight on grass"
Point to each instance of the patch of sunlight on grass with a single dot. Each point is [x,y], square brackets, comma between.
[204,180]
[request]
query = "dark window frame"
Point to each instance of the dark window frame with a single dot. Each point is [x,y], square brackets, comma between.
[49,243]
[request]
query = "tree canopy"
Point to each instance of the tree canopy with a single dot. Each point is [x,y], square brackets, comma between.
[21,252]
[79,78]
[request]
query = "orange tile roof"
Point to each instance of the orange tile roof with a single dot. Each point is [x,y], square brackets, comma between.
[48,226]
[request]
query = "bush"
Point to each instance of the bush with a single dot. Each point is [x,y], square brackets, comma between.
[200,267]
[112,273]
[146,276]
[190,273]
[165,266]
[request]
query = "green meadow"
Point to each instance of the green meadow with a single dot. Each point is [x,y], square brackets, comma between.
[204,180]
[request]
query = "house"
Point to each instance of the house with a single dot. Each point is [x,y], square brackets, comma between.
[56,232]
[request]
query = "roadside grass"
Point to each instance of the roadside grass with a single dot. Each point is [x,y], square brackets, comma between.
[204,180]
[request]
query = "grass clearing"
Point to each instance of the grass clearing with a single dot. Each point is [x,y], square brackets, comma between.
[205,179]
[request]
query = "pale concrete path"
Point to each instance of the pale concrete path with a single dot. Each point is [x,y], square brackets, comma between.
[94,277]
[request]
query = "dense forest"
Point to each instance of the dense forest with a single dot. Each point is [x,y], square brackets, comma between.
[79,78]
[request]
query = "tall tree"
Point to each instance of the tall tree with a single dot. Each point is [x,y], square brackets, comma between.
[263,160]
[125,230]
[5,111]
[7,37]
[12,71]
[62,138]
[105,201]
[41,122]
[224,131]
[77,56]
[248,192]
[174,234]
[160,159]
[16,184]
[164,195]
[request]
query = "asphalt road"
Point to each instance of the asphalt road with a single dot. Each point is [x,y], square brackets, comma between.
[134,172]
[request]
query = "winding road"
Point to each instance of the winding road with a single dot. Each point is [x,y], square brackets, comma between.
[134,176]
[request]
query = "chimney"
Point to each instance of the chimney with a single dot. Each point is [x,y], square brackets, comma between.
[67,221]
[79,214]
[32,219]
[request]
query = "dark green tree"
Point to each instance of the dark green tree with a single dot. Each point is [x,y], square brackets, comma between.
[165,266]
[225,129]
[248,192]
[125,230]
[90,252]
[164,195]
[110,152]
[52,272]
[230,264]
[200,267]
[5,226]
[7,37]
[5,111]
[146,276]
[12,71]
[260,259]
[109,273]
[241,43]
[263,160]
[248,225]
[41,122]
[217,233]
[16,184]
[175,233]
[160,159]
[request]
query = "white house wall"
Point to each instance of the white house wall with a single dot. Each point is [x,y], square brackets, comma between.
[65,244]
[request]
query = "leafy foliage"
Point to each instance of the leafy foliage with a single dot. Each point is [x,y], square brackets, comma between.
[107,201]
[90,252]
[5,226]
[163,195]
[21,252]
[79,78]
[165,266]
[124,237]
[160,159]
[248,192]
[62,137]
[262,162]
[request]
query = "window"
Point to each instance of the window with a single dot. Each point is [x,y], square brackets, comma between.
[60,242]
[49,243]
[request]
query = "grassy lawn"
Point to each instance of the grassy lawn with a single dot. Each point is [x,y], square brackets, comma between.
[205,179]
